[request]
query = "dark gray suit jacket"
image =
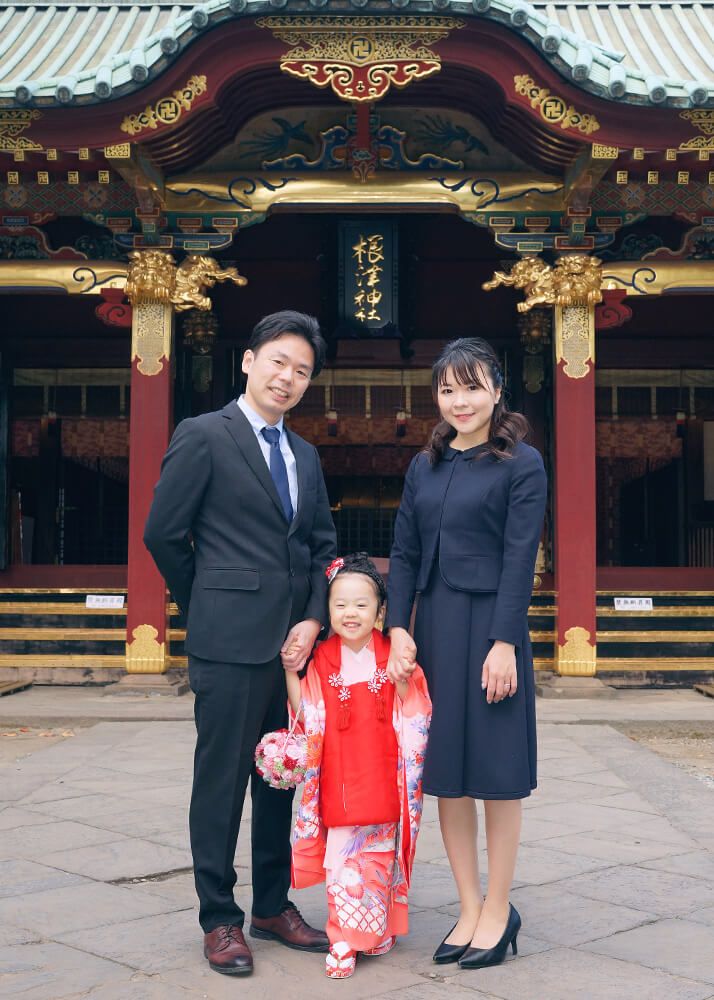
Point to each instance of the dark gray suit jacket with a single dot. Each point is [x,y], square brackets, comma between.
[218,535]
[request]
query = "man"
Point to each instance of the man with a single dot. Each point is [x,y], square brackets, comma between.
[251,578]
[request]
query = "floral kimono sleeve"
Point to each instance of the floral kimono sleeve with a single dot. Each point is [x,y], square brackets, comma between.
[411,723]
[309,835]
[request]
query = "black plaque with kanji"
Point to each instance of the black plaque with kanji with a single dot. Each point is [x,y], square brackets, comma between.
[368,286]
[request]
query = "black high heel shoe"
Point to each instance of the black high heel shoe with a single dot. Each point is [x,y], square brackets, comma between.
[479,958]
[449,952]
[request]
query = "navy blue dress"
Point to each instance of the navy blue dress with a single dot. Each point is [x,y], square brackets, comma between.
[465,540]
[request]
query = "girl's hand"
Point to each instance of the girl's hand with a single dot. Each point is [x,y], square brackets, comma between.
[298,644]
[289,653]
[498,677]
[402,656]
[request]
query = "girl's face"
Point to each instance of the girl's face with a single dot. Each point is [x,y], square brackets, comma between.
[354,608]
[468,407]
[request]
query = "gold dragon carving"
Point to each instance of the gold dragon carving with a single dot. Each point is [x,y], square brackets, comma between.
[573,286]
[153,277]
[196,274]
[154,283]
[575,280]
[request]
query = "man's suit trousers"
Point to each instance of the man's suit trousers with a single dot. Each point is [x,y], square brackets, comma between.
[235,705]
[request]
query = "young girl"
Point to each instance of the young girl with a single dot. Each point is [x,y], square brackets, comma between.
[359,816]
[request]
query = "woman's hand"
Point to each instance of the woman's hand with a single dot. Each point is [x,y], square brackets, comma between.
[498,677]
[402,657]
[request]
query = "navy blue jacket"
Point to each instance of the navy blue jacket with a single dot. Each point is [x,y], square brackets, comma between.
[483,516]
[219,537]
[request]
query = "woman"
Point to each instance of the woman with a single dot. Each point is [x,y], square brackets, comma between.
[466,538]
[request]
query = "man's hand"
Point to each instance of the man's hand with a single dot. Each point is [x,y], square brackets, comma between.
[498,677]
[298,644]
[402,656]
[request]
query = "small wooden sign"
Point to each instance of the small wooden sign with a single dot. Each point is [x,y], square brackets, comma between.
[104,601]
[633,604]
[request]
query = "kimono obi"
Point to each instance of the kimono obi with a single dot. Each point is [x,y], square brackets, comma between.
[358,772]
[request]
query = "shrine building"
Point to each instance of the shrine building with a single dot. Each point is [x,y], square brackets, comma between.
[538,174]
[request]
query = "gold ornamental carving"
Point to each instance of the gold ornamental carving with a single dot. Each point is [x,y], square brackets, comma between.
[155,287]
[194,276]
[153,277]
[699,142]
[149,286]
[575,280]
[167,110]
[600,152]
[531,274]
[577,657]
[73,277]
[360,57]
[121,151]
[13,122]
[261,192]
[658,277]
[702,119]
[145,654]
[555,110]
[152,330]
[575,340]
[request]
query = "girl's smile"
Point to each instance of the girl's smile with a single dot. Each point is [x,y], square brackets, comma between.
[354,608]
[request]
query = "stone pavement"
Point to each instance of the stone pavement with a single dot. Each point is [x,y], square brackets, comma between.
[615,882]
[68,706]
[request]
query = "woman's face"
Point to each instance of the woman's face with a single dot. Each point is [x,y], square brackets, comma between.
[468,408]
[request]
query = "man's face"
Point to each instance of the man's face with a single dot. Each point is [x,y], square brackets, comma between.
[278,374]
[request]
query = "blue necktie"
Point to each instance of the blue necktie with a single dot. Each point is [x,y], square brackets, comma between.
[278,470]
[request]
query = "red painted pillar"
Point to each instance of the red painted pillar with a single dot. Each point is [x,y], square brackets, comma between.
[150,427]
[575,512]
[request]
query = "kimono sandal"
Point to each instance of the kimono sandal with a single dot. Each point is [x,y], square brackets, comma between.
[340,961]
[383,947]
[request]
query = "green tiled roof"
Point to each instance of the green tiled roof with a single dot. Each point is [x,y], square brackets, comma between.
[633,52]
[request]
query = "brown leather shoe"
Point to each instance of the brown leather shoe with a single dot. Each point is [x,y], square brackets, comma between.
[227,951]
[290,929]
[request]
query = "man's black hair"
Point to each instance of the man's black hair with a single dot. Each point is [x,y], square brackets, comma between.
[273,326]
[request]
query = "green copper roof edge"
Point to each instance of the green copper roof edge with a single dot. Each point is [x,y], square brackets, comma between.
[601,73]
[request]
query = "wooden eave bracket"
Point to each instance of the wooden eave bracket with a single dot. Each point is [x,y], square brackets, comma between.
[143,176]
[582,178]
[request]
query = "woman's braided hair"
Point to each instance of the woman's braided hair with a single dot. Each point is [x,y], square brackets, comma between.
[359,562]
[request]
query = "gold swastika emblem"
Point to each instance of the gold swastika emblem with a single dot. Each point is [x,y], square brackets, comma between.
[168,110]
[556,111]
[361,48]
[553,109]
[360,58]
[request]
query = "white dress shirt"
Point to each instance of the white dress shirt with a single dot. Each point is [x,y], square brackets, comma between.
[258,423]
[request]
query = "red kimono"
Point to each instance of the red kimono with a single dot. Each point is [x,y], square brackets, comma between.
[359,816]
